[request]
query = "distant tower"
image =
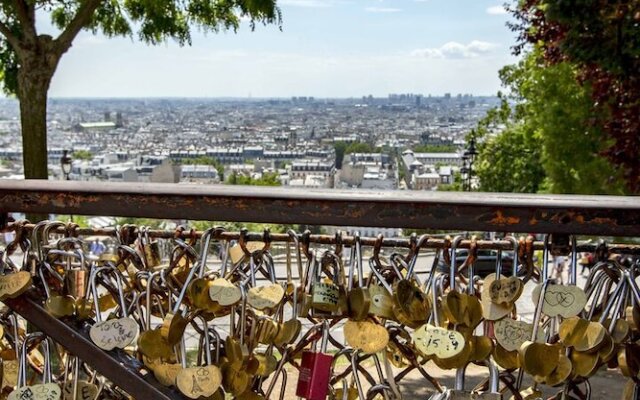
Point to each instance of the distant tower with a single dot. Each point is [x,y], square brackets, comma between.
[293,138]
[119,123]
[107,116]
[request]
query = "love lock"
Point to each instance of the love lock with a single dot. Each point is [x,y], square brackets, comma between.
[42,391]
[459,393]
[315,368]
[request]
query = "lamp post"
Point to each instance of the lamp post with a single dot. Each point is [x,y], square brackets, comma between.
[65,163]
[467,162]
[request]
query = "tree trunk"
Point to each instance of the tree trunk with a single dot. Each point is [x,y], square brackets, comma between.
[34,78]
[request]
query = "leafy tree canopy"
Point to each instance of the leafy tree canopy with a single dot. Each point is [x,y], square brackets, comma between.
[601,39]
[150,21]
[547,142]
[29,59]
[267,179]
[82,155]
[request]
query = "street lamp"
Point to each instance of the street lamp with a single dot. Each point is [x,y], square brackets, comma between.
[65,163]
[469,156]
[464,170]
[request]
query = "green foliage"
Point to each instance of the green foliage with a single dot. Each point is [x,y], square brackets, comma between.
[237,226]
[150,222]
[546,135]
[267,179]
[158,21]
[81,220]
[510,162]
[435,148]
[601,40]
[339,148]
[360,147]
[82,155]
[28,60]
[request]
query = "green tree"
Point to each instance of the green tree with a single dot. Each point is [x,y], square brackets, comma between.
[510,162]
[601,40]
[339,148]
[28,59]
[359,147]
[267,179]
[547,134]
[82,155]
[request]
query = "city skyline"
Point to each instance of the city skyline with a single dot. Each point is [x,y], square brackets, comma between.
[326,49]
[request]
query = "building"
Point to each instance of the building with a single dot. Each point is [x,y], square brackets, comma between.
[199,173]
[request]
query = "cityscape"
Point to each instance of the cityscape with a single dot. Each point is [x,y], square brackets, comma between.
[401,142]
[408,142]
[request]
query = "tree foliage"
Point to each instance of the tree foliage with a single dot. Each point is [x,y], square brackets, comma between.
[267,179]
[29,59]
[602,40]
[82,155]
[547,142]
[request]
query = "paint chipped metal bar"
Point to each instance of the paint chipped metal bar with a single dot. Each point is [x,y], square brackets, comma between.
[499,212]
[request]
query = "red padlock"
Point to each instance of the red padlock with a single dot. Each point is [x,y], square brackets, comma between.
[315,370]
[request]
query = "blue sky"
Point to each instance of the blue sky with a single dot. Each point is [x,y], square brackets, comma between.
[327,48]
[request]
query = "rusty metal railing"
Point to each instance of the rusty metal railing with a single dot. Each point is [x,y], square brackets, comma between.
[584,215]
[500,212]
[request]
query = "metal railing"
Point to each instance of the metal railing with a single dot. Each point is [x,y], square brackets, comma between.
[514,213]
[497,212]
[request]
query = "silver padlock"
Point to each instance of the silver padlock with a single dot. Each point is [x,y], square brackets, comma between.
[493,394]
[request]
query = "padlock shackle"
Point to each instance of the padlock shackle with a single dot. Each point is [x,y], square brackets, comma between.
[133,255]
[613,303]
[93,276]
[379,388]
[373,266]
[198,268]
[279,369]
[635,291]
[36,238]
[494,376]
[152,276]
[325,336]
[355,262]
[22,371]
[515,263]
[355,357]
[205,242]
[453,268]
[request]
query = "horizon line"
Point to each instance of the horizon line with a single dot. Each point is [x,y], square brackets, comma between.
[242,98]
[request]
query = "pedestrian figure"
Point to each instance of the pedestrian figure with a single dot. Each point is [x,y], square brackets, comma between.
[558,262]
[97,247]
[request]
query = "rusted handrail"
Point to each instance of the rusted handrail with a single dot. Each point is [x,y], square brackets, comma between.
[569,214]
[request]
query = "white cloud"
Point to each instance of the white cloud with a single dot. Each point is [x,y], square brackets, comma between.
[382,10]
[306,3]
[496,10]
[473,49]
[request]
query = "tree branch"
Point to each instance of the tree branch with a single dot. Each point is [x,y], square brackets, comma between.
[11,38]
[26,17]
[79,21]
